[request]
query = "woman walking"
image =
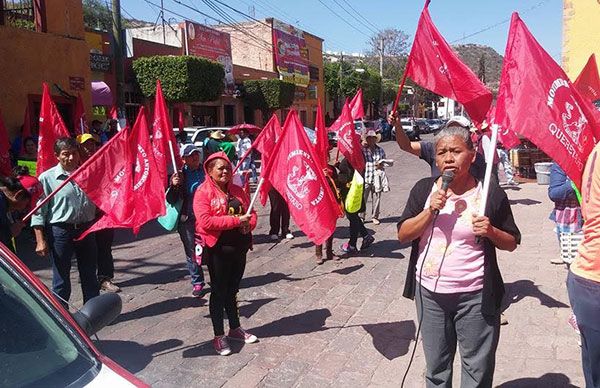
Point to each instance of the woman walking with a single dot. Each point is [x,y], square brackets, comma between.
[454,276]
[225,228]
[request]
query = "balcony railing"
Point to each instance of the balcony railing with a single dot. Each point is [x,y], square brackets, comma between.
[18,13]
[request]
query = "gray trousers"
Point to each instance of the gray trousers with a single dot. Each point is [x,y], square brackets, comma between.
[369,190]
[451,317]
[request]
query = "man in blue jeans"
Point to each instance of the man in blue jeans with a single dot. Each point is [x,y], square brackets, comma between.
[183,187]
[59,222]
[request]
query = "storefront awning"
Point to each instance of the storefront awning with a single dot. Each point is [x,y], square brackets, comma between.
[101,94]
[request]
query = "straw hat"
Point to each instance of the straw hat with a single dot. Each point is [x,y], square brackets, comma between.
[217,135]
[372,133]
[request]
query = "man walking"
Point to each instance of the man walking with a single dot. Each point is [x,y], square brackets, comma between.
[59,222]
[375,180]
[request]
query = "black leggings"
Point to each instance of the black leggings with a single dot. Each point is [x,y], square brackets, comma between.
[356,227]
[226,265]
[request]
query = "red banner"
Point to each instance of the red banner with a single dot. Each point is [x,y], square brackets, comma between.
[291,53]
[588,81]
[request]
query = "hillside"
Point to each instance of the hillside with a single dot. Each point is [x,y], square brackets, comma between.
[471,54]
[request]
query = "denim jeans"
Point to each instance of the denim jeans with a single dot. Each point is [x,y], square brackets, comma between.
[106,265]
[584,295]
[186,233]
[62,247]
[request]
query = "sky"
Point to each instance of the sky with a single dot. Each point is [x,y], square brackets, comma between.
[483,22]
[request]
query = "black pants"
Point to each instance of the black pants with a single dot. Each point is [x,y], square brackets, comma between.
[226,265]
[356,227]
[280,214]
[106,266]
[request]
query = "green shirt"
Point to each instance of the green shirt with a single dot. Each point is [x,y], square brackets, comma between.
[70,205]
[229,149]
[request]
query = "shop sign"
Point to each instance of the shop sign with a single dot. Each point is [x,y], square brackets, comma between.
[100,62]
[291,53]
[77,83]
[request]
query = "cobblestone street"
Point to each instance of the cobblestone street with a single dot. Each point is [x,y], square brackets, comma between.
[344,323]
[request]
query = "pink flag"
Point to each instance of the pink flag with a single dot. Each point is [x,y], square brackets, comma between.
[322,144]
[52,127]
[433,65]
[162,133]
[537,100]
[297,175]
[588,81]
[5,165]
[265,143]
[122,180]
[356,105]
[79,120]
[348,140]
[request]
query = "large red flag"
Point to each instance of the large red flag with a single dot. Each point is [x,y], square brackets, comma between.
[265,143]
[79,120]
[122,180]
[433,65]
[348,140]
[296,174]
[537,100]
[52,127]
[5,165]
[356,105]
[162,133]
[322,143]
[588,81]
[506,136]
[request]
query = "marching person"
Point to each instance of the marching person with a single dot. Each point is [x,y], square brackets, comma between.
[456,280]
[213,143]
[279,217]
[244,143]
[88,145]
[59,222]
[226,231]
[183,187]
[583,281]
[13,198]
[374,174]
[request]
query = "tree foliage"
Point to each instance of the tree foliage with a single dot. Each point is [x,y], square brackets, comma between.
[352,80]
[395,49]
[97,15]
[269,95]
[183,78]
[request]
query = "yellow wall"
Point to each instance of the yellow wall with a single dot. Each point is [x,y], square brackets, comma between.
[35,57]
[581,35]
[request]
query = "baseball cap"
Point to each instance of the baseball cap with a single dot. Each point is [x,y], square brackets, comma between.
[187,150]
[87,136]
[460,121]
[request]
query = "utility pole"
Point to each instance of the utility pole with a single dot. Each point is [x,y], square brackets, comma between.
[118,51]
[381,75]
[341,103]
[162,16]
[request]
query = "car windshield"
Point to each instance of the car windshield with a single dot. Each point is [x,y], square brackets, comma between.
[36,346]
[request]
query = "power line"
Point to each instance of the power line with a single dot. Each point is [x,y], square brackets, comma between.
[355,18]
[361,15]
[341,18]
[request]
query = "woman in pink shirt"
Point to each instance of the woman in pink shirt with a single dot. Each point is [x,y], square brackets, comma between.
[455,277]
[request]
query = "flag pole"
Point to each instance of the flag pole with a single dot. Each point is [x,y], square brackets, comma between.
[48,198]
[237,166]
[400,87]
[172,156]
[489,162]
[253,201]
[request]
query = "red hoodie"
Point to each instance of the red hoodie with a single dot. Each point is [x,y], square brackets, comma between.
[210,206]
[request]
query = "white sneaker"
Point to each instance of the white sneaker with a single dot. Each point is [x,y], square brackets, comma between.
[289,236]
[274,237]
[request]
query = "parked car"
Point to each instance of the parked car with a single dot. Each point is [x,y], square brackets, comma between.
[423,125]
[410,128]
[42,344]
[188,133]
[435,125]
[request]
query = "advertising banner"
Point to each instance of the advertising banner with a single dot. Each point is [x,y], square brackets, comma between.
[291,53]
[209,43]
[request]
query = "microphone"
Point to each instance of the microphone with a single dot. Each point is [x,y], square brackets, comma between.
[447,178]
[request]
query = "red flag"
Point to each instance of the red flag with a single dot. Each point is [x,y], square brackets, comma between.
[79,117]
[162,133]
[348,140]
[322,144]
[356,105]
[122,180]
[112,114]
[297,175]
[52,127]
[537,100]
[588,81]
[506,136]
[433,65]
[5,165]
[265,143]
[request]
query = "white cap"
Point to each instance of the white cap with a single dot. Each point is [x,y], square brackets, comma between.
[460,121]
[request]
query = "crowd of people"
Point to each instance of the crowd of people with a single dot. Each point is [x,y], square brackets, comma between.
[453,273]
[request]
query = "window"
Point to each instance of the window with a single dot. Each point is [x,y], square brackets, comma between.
[312,92]
[26,14]
[314,73]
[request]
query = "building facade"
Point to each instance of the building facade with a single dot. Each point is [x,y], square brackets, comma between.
[581,35]
[46,43]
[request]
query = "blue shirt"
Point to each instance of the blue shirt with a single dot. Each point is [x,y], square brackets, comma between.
[192,179]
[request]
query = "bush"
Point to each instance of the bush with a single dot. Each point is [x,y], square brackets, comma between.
[183,78]
[269,95]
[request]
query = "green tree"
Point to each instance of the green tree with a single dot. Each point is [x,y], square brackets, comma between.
[97,15]
[352,78]
[183,78]
[269,95]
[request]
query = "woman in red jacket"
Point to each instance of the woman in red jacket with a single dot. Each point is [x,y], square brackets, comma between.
[221,220]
